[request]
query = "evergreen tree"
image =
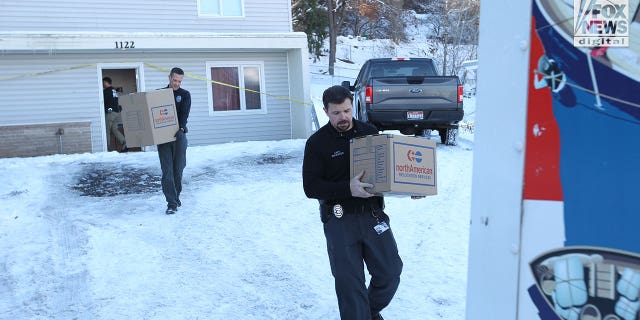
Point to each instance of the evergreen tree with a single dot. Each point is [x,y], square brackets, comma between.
[310,17]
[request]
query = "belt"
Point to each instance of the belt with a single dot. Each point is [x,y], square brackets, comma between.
[352,208]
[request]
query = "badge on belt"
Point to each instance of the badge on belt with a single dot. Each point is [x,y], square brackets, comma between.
[338,211]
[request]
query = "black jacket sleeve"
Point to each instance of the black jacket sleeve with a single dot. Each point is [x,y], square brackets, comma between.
[185,108]
[314,182]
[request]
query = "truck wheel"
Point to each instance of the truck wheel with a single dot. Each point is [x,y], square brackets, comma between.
[423,133]
[448,136]
[410,131]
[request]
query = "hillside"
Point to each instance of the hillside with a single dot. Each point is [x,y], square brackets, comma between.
[352,52]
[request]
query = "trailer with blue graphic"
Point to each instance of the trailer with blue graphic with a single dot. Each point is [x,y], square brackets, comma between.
[555,215]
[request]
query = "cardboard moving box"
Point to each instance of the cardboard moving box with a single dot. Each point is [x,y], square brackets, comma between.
[395,164]
[149,118]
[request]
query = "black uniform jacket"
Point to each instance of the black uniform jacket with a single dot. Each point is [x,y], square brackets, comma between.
[325,168]
[182,98]
[110,99]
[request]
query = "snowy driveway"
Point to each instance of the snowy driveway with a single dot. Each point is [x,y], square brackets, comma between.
[85,237]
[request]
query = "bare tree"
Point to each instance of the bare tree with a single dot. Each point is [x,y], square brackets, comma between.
[395,17]
[336,13]
[366,18]
[454,23]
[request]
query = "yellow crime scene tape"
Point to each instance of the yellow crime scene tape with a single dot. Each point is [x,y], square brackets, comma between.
[228,85]
[35,74]
[468,125]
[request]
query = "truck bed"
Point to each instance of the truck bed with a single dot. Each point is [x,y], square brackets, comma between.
[415,93]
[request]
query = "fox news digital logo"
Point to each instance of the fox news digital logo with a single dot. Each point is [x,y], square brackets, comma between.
[601,23]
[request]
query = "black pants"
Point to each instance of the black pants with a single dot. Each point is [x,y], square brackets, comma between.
[351,240]
[173,159]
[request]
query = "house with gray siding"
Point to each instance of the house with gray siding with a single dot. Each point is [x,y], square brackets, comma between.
[55,54]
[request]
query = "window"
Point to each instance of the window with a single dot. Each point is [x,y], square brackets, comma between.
[221,8]
[236,87]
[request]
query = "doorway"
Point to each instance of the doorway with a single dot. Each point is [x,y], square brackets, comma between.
[124,81]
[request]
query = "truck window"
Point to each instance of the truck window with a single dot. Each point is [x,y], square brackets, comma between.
[378,72]
[404,69]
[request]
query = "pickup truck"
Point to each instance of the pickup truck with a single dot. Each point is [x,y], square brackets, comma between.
[408,95]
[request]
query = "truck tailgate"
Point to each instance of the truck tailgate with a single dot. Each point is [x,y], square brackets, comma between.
[415,93]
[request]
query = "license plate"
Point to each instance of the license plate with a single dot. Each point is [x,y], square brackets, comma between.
[415,115]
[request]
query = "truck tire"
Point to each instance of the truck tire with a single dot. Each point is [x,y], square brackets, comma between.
[408,131]
[448,136]
[424,133]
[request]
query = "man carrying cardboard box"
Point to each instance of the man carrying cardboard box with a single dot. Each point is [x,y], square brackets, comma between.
[173,155]
[355,225]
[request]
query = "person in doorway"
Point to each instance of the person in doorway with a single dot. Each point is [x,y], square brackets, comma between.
[173,155]
[355,226]
[112,114]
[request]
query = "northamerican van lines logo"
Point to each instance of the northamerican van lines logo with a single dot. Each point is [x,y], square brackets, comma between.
[163,116]
[601,23]
[414,156]
[415,169]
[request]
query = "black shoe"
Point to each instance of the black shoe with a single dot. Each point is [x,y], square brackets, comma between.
[377,316]
[171,209]
[179,203]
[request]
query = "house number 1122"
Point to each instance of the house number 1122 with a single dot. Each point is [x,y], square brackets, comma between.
[125,44]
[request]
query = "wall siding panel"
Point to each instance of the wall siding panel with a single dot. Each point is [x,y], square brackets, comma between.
[75,95]
[261,16]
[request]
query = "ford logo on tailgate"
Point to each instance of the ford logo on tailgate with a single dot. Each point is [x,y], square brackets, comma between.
[415,90]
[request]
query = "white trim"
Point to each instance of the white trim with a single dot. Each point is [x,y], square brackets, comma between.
[239,65]
[300,111]
[52,42]
[290,17]
[289,94]
[103,120]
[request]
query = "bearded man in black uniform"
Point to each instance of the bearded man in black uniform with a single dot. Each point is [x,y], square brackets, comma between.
[355,225]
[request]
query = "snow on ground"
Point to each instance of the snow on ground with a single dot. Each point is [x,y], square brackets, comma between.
[85,236]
